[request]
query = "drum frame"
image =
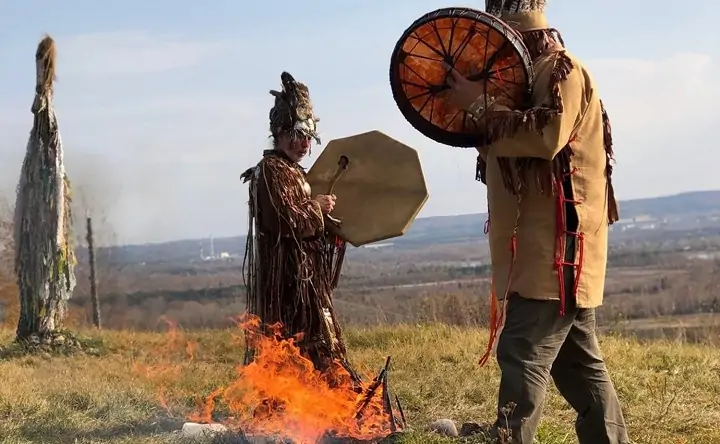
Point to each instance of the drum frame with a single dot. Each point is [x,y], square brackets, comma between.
[428,129]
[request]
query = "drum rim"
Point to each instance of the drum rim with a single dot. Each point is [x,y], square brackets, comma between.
[415,119]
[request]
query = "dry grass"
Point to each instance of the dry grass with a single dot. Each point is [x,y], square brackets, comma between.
[671,392]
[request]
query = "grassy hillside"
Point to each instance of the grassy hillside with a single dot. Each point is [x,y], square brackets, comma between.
[671,392]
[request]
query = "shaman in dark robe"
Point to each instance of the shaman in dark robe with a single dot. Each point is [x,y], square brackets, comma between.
[292,258]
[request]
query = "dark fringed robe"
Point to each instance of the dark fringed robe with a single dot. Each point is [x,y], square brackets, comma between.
[289,261]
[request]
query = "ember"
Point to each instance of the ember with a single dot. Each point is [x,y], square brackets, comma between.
[281,394]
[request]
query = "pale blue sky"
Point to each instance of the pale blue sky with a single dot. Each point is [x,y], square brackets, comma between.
[162,107]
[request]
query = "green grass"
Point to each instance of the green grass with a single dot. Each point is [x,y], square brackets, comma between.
[670,391]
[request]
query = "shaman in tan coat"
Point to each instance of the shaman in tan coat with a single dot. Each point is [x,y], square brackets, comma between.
[562,142]
[550,199]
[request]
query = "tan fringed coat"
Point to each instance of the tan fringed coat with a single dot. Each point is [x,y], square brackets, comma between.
[565,135]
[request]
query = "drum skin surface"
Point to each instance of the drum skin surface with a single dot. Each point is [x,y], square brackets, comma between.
[381,191]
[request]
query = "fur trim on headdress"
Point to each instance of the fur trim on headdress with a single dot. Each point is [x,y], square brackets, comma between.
[505,7]
[293,111]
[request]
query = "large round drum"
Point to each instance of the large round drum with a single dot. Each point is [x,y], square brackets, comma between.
[479,46]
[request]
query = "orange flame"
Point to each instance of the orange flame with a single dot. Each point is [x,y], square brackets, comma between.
[281,394]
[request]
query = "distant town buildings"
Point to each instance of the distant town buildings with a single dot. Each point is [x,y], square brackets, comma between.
[642,222]
[213,256]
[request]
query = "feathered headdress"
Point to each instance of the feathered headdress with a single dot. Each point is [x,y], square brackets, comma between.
[293,111]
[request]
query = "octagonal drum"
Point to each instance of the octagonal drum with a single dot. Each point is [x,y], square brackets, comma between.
[379,184]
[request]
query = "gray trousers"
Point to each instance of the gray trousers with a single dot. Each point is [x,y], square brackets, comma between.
[535,344]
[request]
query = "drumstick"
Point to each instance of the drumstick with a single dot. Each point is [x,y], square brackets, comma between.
[342,167]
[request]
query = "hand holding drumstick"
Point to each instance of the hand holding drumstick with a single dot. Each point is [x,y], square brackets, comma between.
[327,202]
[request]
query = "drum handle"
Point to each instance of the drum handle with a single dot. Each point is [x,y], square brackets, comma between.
[343,164]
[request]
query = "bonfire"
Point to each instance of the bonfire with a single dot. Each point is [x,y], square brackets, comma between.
[280,397]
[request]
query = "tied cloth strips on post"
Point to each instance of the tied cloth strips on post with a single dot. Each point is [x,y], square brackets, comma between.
[44,255]
[334,223]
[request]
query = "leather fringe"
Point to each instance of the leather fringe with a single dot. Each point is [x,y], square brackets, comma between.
[613,207]
[519,173]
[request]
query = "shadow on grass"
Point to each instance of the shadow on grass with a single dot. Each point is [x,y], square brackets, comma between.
[65,433]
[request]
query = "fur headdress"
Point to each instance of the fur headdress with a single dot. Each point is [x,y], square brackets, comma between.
[293,111]
[528,18]
[506,7]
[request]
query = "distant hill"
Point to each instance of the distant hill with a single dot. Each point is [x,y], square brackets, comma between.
[691,203]
[685,211]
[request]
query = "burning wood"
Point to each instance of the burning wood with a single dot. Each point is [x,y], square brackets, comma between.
[281,394]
